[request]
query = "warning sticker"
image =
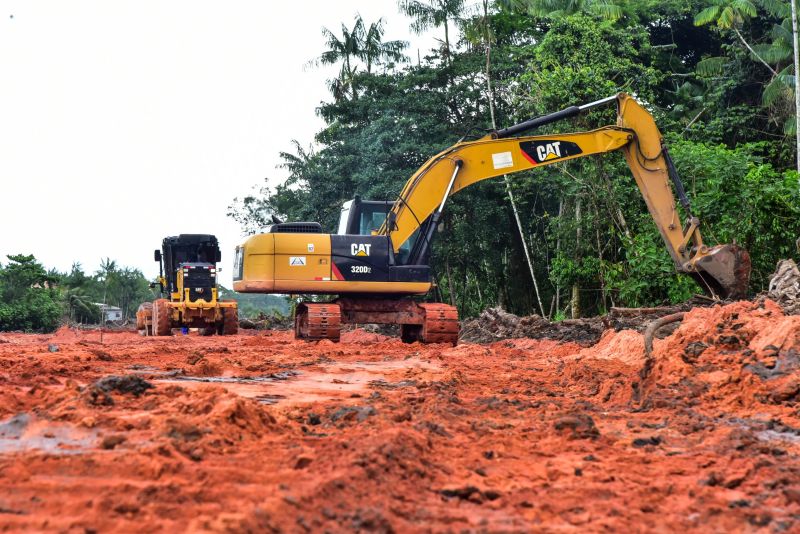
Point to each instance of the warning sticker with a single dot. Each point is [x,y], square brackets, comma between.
[502,160]
[297,261]
[311,247]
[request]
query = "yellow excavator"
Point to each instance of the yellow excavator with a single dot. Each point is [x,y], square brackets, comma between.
[379,259]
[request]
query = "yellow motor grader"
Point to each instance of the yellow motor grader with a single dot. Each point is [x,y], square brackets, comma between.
[188,277]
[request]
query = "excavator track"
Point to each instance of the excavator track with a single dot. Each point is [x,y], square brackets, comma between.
[317,321]
[440,323]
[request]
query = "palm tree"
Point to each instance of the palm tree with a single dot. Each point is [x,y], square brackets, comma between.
[432,14]
[607,9]
[345,49]
[107,268]
[359,43]
[373,49]
[730,15]
[784,45]
[80,306]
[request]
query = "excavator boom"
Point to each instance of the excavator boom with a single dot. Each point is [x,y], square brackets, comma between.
[723,270]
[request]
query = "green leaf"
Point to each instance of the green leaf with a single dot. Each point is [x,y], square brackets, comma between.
[711,66]
[706,16]
[773,91]
[744,7]
[727,18]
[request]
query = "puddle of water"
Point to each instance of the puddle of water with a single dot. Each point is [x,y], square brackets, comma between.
[336,381]
[23,433]
[774,435]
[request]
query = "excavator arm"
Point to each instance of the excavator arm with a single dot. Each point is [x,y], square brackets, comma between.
[722,270]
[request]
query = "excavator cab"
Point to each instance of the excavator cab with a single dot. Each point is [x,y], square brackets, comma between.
[363,217]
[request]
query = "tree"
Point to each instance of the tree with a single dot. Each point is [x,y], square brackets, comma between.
[730,15]
[28,298]
[796,58]
[345,49]
[80,307]
[433,14]
[607,9]
[373,49]
[360,43]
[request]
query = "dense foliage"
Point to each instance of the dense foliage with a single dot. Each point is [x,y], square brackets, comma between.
[253,305]
[33,299]
[28,299]
[716,74]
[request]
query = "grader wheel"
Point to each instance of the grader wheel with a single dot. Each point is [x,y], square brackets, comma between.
[162,324]
[144,319]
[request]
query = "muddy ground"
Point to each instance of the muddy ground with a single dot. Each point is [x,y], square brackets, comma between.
[259,432]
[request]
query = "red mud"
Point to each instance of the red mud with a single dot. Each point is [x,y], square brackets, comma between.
[259,432]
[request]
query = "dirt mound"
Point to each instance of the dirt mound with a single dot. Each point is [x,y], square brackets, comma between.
[267,322]
[739,355]
[66,334]
[495,324]
[626,346]
[362,335]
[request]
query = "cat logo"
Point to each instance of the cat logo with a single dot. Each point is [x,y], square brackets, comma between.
[297,261]
[537,152]
[360,249]
[548,151]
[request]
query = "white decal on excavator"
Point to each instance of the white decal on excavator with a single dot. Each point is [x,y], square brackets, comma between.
[549,151]
[360,249]
[297,261]
[502,160]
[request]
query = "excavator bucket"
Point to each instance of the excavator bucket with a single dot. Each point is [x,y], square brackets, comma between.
[725,271]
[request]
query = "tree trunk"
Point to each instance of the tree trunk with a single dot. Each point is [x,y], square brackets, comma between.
[750,48]
[796,82]
[558,249]
[576,296]
[449,282]
[600,256]
[490,96]
[446,41]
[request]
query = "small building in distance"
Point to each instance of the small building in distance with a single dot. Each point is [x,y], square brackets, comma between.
[110,313]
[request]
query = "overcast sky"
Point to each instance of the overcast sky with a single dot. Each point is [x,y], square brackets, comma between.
[122,122]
